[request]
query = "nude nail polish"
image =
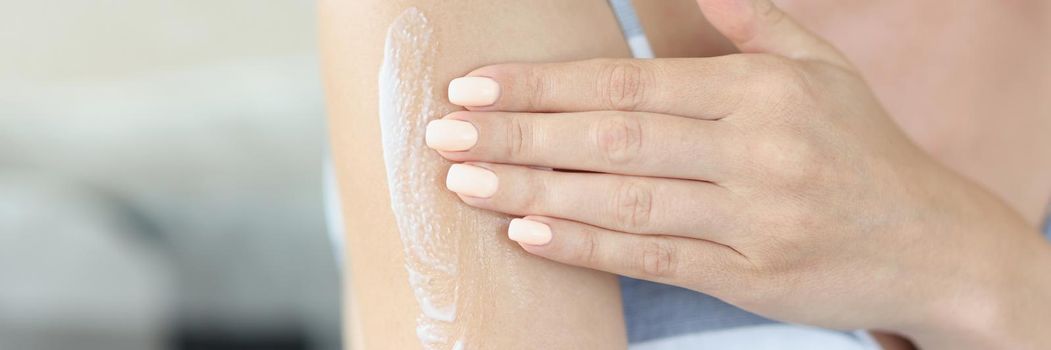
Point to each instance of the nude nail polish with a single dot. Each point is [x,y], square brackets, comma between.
[529,232]
[451,135]
[471,181]
[473,91]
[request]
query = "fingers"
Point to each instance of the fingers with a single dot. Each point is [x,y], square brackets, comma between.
[623,203]
[629,143]
[759,26]
[690,263]
[706,88]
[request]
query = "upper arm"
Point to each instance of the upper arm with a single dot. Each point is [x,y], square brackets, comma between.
[469,282]
[677,28]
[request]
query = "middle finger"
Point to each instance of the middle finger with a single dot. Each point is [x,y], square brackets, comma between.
[629,143]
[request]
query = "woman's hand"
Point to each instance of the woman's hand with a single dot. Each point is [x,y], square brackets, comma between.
[770,179]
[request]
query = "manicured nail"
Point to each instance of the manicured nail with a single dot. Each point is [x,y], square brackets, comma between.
[529,232]
[473,91]
[471,181]
[451,135]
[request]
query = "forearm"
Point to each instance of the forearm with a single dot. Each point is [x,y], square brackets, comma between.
[1014,314]
[471,285]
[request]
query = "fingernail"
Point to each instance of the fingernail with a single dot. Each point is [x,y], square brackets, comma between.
[473,91]
[529,232]
[471,181]
[451,135]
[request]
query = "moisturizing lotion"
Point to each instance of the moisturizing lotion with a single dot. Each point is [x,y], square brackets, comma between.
[431,250]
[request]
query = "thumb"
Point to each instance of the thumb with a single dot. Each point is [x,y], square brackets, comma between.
[759,26]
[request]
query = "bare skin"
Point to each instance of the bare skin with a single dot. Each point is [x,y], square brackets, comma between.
[966,80]
[773,180]
[544,305]
[994,136]
[387,307]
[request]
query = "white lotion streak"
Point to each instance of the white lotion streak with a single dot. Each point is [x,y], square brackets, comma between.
[414,176]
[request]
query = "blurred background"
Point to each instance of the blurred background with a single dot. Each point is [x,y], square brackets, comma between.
[160,177]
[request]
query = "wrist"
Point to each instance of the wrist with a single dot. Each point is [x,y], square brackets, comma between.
[978,320]
[985,286]
[1006,308]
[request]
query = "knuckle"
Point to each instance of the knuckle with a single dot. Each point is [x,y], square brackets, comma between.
[534,197]
[618,139]
[793,161]
[657,259]
[520,139]
[782,78]
[586,253]
[633,206]
[805,166]
[623,84]
[537,84]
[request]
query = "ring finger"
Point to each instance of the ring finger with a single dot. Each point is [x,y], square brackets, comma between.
[630,204]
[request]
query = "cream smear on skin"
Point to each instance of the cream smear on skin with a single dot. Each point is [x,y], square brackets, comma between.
[451,250]
[415,175]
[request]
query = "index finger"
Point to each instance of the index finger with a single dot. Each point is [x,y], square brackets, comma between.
[705,88]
